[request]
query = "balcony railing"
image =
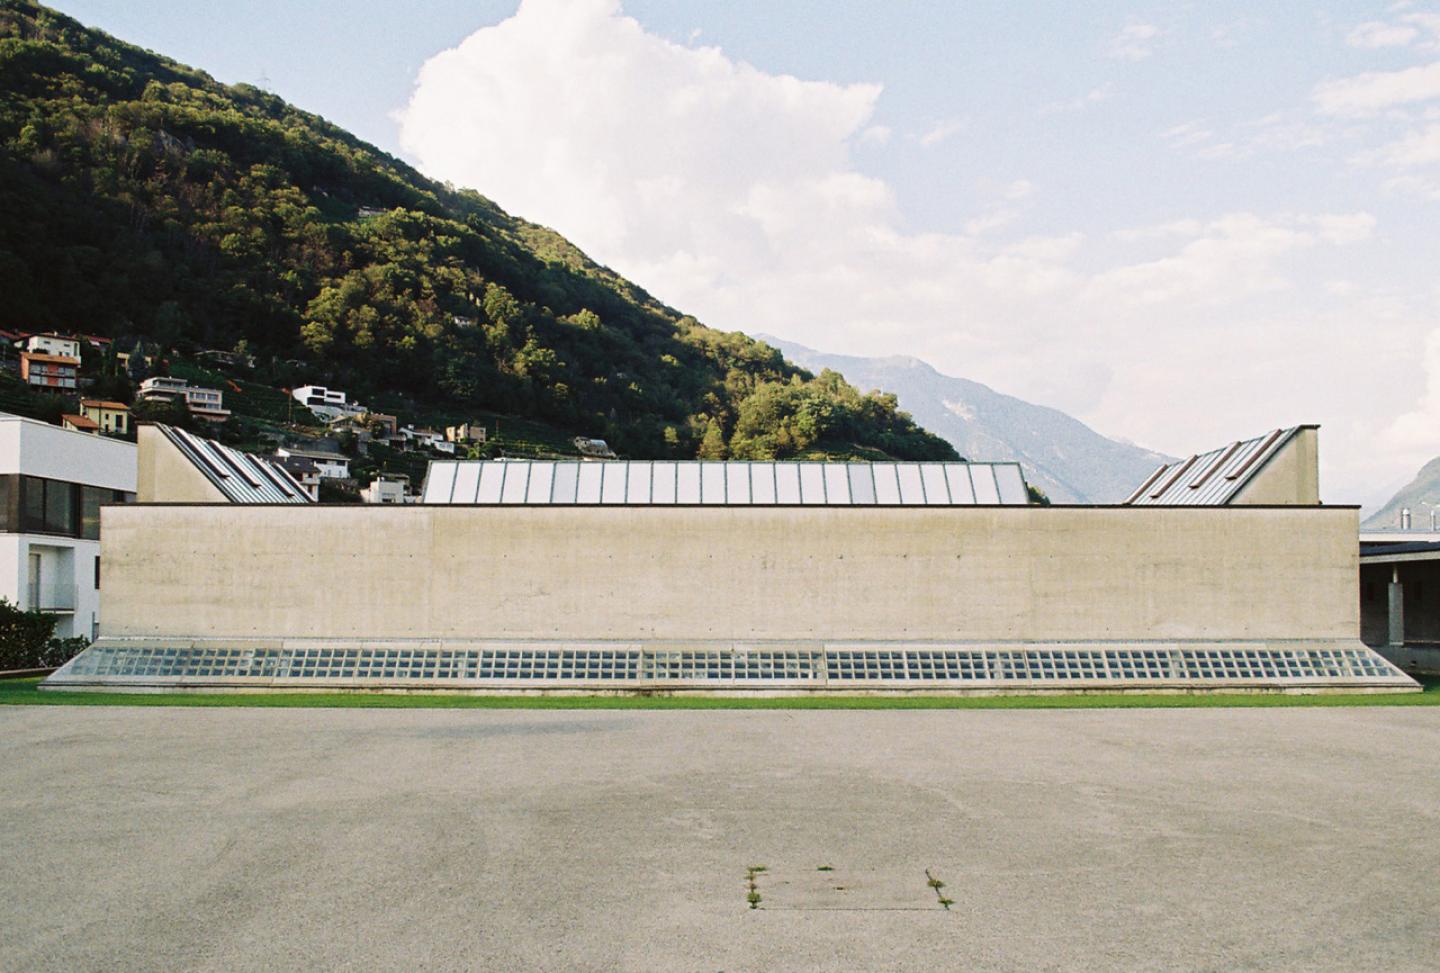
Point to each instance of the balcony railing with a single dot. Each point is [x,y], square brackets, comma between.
[51,597]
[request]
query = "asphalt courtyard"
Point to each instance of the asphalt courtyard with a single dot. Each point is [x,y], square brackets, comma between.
[248,839]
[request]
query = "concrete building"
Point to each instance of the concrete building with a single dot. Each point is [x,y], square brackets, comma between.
[731,577]
[1400,597]
[53,483]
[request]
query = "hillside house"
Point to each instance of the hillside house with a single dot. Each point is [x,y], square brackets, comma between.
[327,404]
[53,373]
[112,418]
[205,404]
[330,464]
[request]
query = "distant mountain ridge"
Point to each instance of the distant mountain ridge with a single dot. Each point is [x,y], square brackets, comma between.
[1419,495]
[1061,455]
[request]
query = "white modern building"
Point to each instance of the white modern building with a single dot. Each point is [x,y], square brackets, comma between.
[53,344]
[52,484]
[328,404]
[388,488]
[203,403]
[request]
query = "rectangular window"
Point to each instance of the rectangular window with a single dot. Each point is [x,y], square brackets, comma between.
[97,572]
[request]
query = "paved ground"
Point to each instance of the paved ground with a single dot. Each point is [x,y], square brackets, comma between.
[1197,839]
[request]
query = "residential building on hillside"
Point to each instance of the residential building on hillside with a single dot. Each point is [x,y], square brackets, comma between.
[326,403]
[57,373]
[203,403]
[112,418]
[53,344]
[79,423]
[466,432]
[332,465]
[388,488]
[53,482]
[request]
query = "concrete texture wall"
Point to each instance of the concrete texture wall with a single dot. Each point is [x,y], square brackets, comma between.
[1020,573]
[166,476]
[1292,475]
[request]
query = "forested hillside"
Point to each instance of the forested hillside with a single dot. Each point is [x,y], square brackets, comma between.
[142,198]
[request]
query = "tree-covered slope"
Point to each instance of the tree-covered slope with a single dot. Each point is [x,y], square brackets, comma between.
[141,197]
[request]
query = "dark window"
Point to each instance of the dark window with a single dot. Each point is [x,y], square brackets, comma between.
[97,572]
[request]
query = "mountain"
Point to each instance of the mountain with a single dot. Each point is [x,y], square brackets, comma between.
[1419,495]
[142,198]
[1067,459]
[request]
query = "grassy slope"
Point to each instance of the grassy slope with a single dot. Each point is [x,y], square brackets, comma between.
[22,692]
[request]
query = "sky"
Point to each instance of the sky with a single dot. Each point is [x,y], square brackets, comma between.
[1183,223]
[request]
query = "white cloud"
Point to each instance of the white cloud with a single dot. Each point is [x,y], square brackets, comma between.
[736,195]
[1417,148]
[1374,33]
[1135,42]
[1417,431]
[942,130]
[875,135]
[1092,97]
[1420,30]
[1377,91]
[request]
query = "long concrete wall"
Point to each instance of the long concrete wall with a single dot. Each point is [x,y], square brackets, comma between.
[1021,573]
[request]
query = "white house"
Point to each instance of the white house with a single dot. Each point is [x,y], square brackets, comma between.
[52,484]
[388,488]
[53,344]
[328,404]
[330,464]
[203,403]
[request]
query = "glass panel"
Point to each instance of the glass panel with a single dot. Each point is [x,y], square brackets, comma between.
[933,476]
[837,483]
[542,477]
[787,482]
[687,489]
[862,483]
[612,487]
[60,507]
[439,482]
[589,488]
[958,477]
[566,476]
[812,483]
[517,478]
[887,487]
[662,483]
[637,483]
[467,483]
[90,500]
[911,490]
[32,503]
[983,475]
[762,482]
[492,474]
[1012,484]
[737,482]
[712,482]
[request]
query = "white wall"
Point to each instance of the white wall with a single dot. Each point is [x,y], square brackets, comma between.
[40,449]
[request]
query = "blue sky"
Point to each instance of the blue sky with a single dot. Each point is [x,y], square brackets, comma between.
[1181,222]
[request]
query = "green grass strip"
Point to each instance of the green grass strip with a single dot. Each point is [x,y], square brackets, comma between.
[26,692]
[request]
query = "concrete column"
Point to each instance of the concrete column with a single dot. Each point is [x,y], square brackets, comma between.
[1397,608]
